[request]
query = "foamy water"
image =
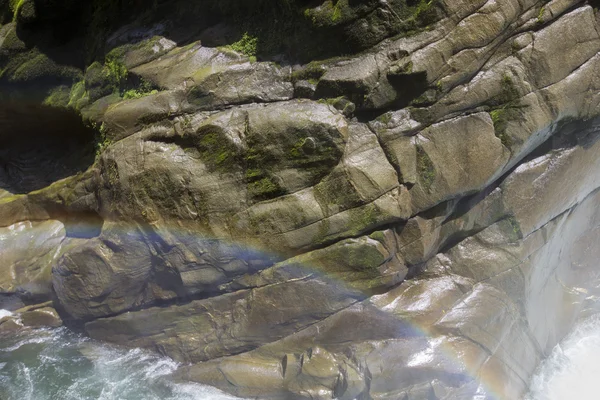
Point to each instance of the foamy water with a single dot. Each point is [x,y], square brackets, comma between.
[573,369]
[60,365]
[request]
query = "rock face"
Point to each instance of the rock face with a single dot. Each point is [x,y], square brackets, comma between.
[416,219]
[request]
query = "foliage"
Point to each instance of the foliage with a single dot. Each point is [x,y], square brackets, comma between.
[15,6]
[102,141]
[137,93]
[337,13]
[77,95]
[247,45]
[116,72]
[540,17]
[58,97]
[424,12]
[144,89]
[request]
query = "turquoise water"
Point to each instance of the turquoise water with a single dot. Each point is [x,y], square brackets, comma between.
[57,364]
[60,365]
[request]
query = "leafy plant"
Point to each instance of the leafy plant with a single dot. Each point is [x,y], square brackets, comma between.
[102,141]
[247,45]
[116,71]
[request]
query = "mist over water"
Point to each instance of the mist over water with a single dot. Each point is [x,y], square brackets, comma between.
[56,364]
[60,365]
[573,369]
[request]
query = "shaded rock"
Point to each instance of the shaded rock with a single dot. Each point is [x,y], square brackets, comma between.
[368,264]
[447,167]
[128,267]
[41,318]
[304,89]
[9,326]
[228,324]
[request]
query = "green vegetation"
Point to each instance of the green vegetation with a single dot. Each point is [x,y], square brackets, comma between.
[337,12]
[336,192]
[58,97]
[112,77]
[259,180]
[144,89]
[311,151]
[540,17]
[509,92]
[516,228]
[264,188]
[102,141]
[424,12]
[348,255]
[379,236]
[312,72]
[136,93]
[216,150]
[509,109]
[425,168]
[500,119]
[439,86]
[385,118]
[296,150]
[116,72]
[362,218]
[15,6]
[247,45]
[36,65]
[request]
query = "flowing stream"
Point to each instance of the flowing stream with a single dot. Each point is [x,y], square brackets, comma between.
[60,365]
[56,364]
[572,370]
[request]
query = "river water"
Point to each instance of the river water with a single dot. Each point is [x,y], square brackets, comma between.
[572,371]
[56,364]
[60,365]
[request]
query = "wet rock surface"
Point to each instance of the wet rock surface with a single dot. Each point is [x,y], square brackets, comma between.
[416,219]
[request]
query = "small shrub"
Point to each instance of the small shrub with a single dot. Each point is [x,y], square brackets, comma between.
[116,72]
[247,45]
[102,141]
[137,93]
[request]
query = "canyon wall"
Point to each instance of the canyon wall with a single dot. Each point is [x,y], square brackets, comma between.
[352,200]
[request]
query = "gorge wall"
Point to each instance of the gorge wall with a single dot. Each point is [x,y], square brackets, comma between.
[306,199]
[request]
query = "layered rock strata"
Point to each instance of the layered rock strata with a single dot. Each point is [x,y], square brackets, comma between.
[417,220]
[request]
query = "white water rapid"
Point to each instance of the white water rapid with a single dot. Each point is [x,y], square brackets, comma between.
[60,365]
[572,371]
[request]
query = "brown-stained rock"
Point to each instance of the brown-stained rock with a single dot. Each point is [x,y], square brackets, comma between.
[41,318]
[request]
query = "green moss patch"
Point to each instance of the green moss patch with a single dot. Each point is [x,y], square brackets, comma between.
[216,150]
[507,107]
[336,192]
[311,151]
[264,188]
[425,168]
